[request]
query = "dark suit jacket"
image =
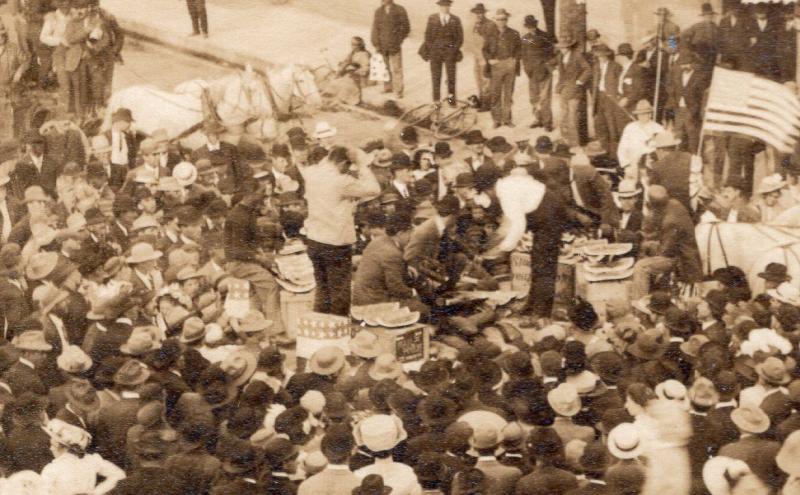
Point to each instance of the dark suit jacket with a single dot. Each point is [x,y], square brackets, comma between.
[15,306]
[21,378]
[26,175]
[764,54]
[424,242]
[633,85]
[486,175]
[611,80]
[389,29]
[111,432]
[28,448]
[442,42]
[692,93]
[537,52]
[132,142]
[677,240]
[381,274]
[649,67]
[735,40]
[672,172]
[595,194]
[574,76]
[227,156]
[759,454]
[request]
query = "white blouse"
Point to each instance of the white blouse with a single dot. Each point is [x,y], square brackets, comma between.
[72,475]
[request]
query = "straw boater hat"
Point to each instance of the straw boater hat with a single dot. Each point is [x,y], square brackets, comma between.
[625,442]
[327,361]
[142,252]
[773,371]
[380,432]
[35,193]
[786,293]
[193,330]
[73,360]
[771,183]
[185,173]
[144,222]
[100,144]
[323,130]
[721,471]
[750,419]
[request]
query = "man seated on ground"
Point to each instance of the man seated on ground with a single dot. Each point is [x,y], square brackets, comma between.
[382,275]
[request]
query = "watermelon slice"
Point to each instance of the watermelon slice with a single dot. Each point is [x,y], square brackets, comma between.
[398,320]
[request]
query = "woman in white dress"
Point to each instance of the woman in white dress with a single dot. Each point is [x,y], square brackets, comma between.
[72,471]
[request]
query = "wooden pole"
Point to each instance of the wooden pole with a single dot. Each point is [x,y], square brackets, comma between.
[797,42]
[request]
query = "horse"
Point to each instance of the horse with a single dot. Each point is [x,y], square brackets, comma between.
[749,246]
[242,99]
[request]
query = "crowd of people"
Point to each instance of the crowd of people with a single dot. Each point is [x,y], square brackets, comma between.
[144,349]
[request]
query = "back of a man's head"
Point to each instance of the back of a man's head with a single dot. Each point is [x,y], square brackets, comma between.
[337,444]
[657,196]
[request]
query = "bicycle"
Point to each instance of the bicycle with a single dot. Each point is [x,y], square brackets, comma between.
[444,125]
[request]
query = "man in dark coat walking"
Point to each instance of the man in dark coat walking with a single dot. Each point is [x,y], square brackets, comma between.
[389,28]
[444,36]
[536,52]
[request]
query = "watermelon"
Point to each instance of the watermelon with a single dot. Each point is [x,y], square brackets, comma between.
[395,320]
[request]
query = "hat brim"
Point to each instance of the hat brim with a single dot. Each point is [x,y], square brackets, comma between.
[189,181]
[774,277]
[774,294]
[624,454]
[783,381]
[184,340]
[315,367]
[637,351]
[156,255]
[566,44]
[395,373]
[773,188]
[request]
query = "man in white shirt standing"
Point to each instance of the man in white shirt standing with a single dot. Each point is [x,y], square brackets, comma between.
[637,139]
[333,194]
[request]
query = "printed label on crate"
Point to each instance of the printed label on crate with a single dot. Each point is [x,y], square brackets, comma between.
[411,345]
[520,272]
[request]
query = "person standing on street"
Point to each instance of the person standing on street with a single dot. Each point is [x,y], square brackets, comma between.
[574,74]
[703,38]
[444,36]
[502,53]
[13,63]
[605,91]
[390,28]
[536,53]
[474,40]
[197,11]
[333,194]
[52,39]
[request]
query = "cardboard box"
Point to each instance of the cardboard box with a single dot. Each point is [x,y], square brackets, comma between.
[408,344]
[599,294]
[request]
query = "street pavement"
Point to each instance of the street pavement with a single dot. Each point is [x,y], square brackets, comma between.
[304,32]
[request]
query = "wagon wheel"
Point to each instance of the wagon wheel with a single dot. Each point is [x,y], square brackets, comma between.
[456,124]
[422,116]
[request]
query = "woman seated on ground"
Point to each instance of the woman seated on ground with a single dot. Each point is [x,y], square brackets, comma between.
[356,65]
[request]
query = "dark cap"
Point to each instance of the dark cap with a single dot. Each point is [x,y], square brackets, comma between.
[400,161]
[625,49]
[442,149]
[544,144]
[530,21]
[409,135]
[465,180]
[498,144]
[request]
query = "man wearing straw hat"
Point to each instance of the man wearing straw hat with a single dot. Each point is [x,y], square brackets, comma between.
[636,141]
[502,53]
[770,191]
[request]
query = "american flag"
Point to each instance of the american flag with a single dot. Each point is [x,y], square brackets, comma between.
[742,103]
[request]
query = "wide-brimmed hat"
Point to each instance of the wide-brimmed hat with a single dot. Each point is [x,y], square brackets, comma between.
[81,395]
[365,344]
[773,371]
[659,302]
[501,14]
[775,272]
[474,136]
[139,344]
[194,329]
[385,367]
[372,484]
[185,173]
[707,9]
[41,265]
[430,374]
[252,322]
[499,144]
[131,373]
[35,193]
[564,400]
[442,149]
[788,458]
[693,344]
[380,432]
[479,8]
[73,360]
[566,41]
[649,344]
[721,472]
[485,436]
[625,442]
[665,139]
[703,393]
[530,21]
[67,435]
[771,183]
[750,419]
[327,361]
[465,180]
[444,2]
[642,106]
[786,293]
[671,390]
[239,366]
[142,252]
[436,410]
[628,189]
[603,49]
[168,184]
[31,340]
[323,130]
[144,222]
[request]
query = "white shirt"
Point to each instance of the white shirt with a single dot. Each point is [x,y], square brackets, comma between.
[119,148]
[685,76]
[6,229]
[602,83]
[762,24]
[444,18]
[213,147]
[626,216]
[37,162]
[440,226]
[400,477]
[401,188]
[55,25]
[622,75]
[72,475]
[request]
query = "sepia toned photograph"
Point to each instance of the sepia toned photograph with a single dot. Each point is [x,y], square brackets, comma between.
[399,247]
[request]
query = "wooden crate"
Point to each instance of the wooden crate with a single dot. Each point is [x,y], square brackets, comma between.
[521,278]
[292,306]
[599,294]
[408,344]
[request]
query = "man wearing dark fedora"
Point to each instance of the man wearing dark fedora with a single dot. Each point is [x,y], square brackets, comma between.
[481,165]
[444,36]
[774,274]
[474,38]
[502,52]
[575,73]
[390,27]
[605,91]
[703,38]
[536,51]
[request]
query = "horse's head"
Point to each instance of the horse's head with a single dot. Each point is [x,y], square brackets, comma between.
[244,97]
[305,87]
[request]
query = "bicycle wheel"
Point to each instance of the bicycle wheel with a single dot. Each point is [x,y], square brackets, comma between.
[421,116]
[456,124]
